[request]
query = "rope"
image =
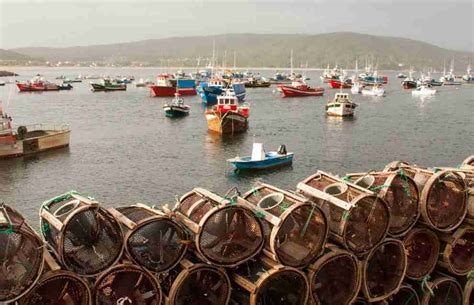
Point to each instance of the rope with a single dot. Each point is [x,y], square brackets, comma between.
[122,301]
[303,231]
[379,187]
[8,230]
[259,214]
[425,286]
[406,187]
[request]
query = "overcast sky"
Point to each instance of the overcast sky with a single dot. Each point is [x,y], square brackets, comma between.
[445,23]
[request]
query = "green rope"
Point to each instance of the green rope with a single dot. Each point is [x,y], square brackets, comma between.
[345,216]
[45,228]
[8,230]
[346,178]
[425,286]
[60,198]
[379,187]
[259,214]
[284,206]
[406,187]
[410,298]
[303,231]
[470,274]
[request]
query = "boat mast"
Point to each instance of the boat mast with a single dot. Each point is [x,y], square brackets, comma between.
[234,60]
[291,62]
[213,55]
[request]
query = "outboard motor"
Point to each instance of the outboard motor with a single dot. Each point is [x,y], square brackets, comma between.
[282,149]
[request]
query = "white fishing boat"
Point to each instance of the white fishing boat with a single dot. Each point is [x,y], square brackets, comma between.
[423,90]
[469,78]
[449,79]
[376,90]
[341,105]
[357,87]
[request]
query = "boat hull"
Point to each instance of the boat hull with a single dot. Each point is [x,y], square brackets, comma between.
[337,84]
[209,94]
[175,112]
[169,91]
[99,87]
[258,85]
[409,84]
[288,91]
[226,123]
[263,164]
[36,144]
[36,87]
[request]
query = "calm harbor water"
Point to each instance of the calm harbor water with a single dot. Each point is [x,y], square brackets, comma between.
[123,149]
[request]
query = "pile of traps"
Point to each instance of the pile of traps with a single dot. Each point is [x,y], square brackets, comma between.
[400,235]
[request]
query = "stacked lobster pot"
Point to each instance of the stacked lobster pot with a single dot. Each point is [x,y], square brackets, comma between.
[359,221]
[442,289]
[335,277]
[84,237]
[265,281]
[399,191]
[21,255]
[57,286]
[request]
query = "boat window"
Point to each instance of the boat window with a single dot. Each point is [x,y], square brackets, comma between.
[348,106]
[337,105]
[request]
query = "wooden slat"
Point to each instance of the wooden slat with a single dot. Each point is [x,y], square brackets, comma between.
[53,221]
[322,195]
[122,218]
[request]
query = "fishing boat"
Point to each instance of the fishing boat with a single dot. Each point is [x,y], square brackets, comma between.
[401,75]
[166,86]
[65,87]
[427,80]
[410,82]
[30,139]
[449,79]
[2,83]
[468,78]
[357,87]
[37,84]
[176,108]
[280,78]
[340,83]
[341,105]
[227,117]
[261,159]
[107,85]
[299,88]
[376,90]
[254,82]
[74,80]
[423,90]
[334,74]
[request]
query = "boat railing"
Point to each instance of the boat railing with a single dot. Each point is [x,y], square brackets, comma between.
[48,126]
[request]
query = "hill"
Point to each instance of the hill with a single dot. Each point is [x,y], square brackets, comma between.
[7,55]
[265,50]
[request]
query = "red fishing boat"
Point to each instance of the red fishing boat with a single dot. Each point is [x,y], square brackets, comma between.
[227,117]
[37,84]
[299,88]
[167,85]
[338,84]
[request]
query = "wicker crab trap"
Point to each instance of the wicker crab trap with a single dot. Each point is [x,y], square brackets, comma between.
[152,239]
[399,191]
[58,286]
[468,163]
[127,284]
[21,255]
[295,229]
[335,278]
[196,283]
[84,237]
[264,281]
[358,218]
[406,295]
[443,199]
[422,247]
[468,290]
[441,290]
[383,270]
[457,251]
[225,233]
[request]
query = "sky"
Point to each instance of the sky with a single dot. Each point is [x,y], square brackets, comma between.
[62,23]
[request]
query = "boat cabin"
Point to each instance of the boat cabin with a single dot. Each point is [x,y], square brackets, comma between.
[341,97]
[215,82]
[6,131]
[227,102]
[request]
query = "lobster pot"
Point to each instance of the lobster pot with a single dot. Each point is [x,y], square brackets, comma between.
[196,283]
[358,218]
[295,229]
[406,295]
[442,290]
[383,270]
[468,294]
[457,251]
[225,233]
[127,284]
[58,286]
[443,199]
[83,236]
[399,191]
[264,281]
[422,247]
[152,239]
[21,255]
[335,278]
[468,163]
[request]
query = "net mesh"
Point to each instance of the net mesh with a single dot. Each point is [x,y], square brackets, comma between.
[405,296]
[445,292]
[462,254]
[127,285]
[336,280]
[284,287]
[385,269]
[203,285]
[446,201]
[58,288]
[157,244]
[422,248]
[231,235]
[20,255]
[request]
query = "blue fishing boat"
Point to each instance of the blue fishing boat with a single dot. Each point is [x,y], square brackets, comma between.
[261,159]
[209,91]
